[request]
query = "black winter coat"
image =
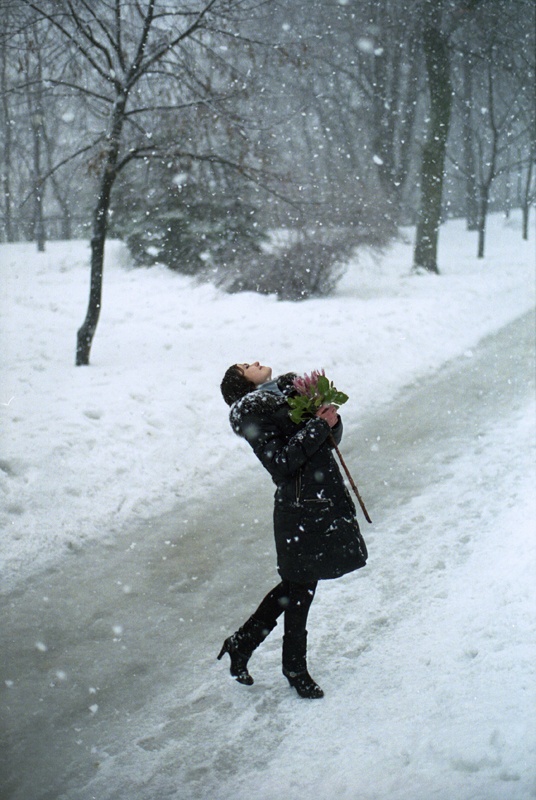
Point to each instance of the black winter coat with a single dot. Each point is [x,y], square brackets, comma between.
[316,532]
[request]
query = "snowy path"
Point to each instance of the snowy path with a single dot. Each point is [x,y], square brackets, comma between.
[426,656]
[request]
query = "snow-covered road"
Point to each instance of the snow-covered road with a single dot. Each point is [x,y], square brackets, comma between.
[426,656]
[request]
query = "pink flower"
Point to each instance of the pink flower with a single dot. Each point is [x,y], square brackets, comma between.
[307,384]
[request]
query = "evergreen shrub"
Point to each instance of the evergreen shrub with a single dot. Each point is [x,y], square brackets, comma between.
[189,233]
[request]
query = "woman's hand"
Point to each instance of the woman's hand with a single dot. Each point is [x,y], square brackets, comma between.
[329,414]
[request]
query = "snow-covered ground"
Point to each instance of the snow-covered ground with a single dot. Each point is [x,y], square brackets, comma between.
[426,656]
[84,450]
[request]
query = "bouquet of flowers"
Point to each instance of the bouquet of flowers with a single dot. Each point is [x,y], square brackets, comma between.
[314,391]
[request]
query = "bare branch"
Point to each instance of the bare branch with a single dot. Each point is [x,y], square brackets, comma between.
[88,33]
[119,34]
[139,69]
[83,90]
[136,64]
[69,36]
[175,107]
[62,163]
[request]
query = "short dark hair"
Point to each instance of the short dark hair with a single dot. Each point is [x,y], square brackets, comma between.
[235,385]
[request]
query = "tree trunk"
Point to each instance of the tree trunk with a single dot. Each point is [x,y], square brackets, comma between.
[58,190]
[407,125]
[482,216]
[66,221]
[86,332]
[394,104]
[39,222]
[527,196]
[471,204]
[487,167]
[66,225]
[382,121]
[433,156]
[37,122]
[525,212]
[7,149]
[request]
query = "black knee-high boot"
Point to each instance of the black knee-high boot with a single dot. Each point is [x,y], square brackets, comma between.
[241,645]
[295,665]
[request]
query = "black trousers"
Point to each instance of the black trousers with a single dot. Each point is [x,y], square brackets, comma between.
[291,599]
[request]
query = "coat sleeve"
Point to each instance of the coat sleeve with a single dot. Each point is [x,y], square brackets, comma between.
[280,455]
[336,431]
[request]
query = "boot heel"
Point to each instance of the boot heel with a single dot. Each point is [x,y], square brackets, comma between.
[241,645]
[239,662]
[225,649]
[304,684]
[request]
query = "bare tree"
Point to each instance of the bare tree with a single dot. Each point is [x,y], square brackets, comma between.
[31,125]
[365,91]
[391,65]
[437,59]
[527,69]
[488,154]
[7,139]
[471,200]
[495,150]
[33,89]
[437,38]
[137,61]
[529,190]
[498,106]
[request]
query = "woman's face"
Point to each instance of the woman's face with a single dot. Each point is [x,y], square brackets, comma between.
[255,372]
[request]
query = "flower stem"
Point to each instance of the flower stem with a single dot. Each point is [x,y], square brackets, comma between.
[352,482]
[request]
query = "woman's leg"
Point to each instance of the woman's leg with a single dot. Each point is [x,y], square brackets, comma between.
[294,600]
[300,596]
[246,639]
[295,640]
[274,604]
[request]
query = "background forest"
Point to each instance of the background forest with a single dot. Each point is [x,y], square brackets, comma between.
[257,143]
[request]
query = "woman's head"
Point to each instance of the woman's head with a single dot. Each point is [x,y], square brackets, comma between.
[240,379]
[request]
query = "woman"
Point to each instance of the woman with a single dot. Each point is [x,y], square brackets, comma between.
[316,533]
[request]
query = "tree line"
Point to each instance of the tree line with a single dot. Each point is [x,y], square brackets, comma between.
[191,129]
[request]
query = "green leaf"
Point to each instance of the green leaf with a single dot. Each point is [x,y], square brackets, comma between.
[323,385]
[340,398]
